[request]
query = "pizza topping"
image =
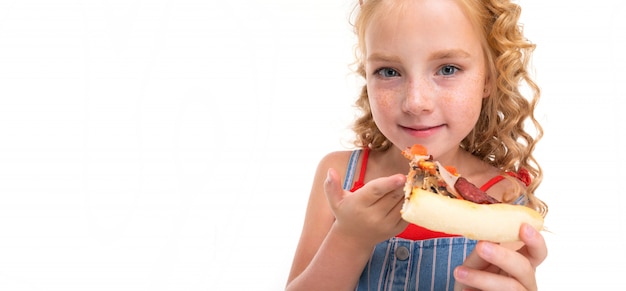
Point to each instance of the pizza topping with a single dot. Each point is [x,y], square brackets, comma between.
[472,193]
[427,174]
[418,150]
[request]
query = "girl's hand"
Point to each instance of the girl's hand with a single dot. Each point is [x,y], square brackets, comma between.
[493,267]
[371,214]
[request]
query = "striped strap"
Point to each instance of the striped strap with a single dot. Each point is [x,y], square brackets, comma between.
[354,159]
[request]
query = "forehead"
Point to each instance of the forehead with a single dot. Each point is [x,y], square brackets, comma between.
[415,23]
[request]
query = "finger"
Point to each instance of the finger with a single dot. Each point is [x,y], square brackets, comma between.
[510,262]
[475,271]
[379,188]
[482,267]
[397,206]
[472,279]
[393,202]
[535,248]
[474,261]
[465,274]
[401,224]
[332,188]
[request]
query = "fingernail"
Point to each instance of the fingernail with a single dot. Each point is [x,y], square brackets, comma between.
[400,180]
[487,249]
[461,272]
[328,178]
[529,231]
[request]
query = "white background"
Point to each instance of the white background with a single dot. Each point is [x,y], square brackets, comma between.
[170,145]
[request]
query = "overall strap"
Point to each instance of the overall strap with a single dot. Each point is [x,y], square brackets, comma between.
[354,160]
[352,167]
[361,181]
[522,175]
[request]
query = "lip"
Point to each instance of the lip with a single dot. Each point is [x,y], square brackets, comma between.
[422,131]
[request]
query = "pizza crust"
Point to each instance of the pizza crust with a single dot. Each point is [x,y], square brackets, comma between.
[492,222]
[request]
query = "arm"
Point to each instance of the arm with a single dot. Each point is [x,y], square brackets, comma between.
[341,228]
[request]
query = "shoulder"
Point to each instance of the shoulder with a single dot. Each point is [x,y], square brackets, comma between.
[319,215]
[337,156]
[508,189]
[337,160]
[482,174]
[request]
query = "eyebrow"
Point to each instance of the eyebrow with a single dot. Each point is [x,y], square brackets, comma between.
[439,55]
[378,57]
[448,54]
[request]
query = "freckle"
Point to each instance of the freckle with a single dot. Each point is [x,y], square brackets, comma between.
[383,100]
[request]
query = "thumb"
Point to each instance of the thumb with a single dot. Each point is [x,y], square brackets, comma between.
[332,188]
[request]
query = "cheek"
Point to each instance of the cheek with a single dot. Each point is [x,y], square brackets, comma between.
[383,106]
[382,101]
[467,101]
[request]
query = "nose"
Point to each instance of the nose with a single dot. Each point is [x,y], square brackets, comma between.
[419,97]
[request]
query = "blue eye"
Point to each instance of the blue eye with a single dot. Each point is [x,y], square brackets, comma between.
[387,73]
[448,70]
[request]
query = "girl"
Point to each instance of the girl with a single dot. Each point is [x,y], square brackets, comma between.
[444,74]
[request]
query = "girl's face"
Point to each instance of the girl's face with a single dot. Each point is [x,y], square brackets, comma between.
[426,73]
